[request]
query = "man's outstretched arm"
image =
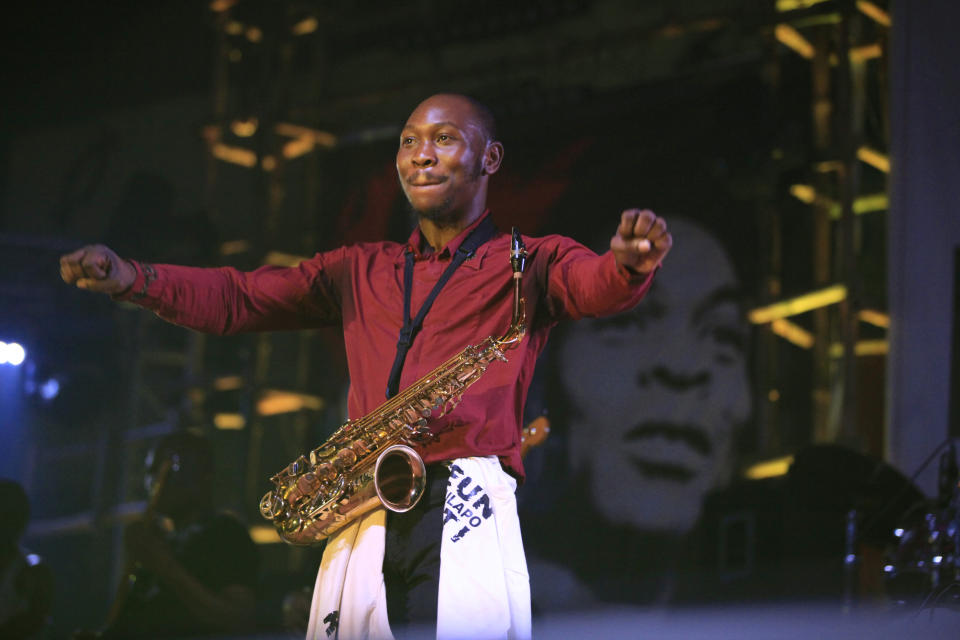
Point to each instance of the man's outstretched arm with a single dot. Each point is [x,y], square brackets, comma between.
[216,300]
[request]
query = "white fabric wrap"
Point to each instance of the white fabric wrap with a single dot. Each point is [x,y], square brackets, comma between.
[484,590]
[484,584]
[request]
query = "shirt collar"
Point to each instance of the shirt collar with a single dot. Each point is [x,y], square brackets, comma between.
[416,240]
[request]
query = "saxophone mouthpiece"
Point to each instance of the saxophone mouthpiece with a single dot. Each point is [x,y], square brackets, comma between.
[518,252]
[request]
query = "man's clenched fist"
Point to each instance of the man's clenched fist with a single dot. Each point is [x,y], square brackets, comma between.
[641,241]
[97,268]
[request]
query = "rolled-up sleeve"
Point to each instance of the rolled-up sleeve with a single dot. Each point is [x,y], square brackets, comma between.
[581,283]
[225,300]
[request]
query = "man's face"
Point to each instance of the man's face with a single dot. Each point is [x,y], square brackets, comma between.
[658,391]
[440,159]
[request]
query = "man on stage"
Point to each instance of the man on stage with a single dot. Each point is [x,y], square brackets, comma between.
[433,564]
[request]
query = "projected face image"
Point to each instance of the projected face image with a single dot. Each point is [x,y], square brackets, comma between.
[658,391]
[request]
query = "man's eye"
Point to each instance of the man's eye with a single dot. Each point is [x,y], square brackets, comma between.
[407,141]
[444,138]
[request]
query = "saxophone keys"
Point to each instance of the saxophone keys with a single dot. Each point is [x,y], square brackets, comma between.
[308,482]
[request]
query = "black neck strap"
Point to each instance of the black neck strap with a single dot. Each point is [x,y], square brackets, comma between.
[480,234]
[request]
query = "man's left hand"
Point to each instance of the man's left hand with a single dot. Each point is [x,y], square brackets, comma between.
[641,241]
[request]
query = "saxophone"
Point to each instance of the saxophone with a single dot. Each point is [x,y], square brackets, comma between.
[370,461]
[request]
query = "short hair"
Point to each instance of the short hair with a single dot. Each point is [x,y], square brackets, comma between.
[485,114]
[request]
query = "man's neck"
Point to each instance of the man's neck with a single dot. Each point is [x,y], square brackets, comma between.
[438,234]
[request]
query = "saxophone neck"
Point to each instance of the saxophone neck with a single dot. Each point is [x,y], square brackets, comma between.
[518,323]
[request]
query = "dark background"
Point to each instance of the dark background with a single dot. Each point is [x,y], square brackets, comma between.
[107,133]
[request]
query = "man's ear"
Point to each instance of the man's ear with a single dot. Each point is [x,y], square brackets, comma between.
[492,157]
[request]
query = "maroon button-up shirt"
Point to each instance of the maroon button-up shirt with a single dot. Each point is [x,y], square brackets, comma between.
[361,286]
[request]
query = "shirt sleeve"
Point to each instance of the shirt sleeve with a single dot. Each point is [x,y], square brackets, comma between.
[225,300]
[581,283]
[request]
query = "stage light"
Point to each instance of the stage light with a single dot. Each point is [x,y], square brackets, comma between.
[50,389]
[874,158]
[12,354]
[264,534]
[800,304]
[229,421]
[769,468]
[874,12]
[274,402]
[234,155]
[793,39]
[793,333]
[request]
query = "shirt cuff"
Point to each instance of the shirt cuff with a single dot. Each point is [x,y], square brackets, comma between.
[631,277]
[138,289]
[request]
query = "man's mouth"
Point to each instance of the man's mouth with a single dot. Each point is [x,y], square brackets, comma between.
[668,450]
[425,180]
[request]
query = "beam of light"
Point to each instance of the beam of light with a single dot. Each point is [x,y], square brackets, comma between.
[229,421]
[800,304]
[305,26]
[274,402]
[874,12]
[862,348]
[50,389]
[264,534]
[318,136]
[233,247]
[792,333]
[874,317]
[869,203]
[793,39]
[281,259]
[769,468]
[12,353]
[244,128]
[866,52]
[234,155]
[228,383]
[794,5]
[219,6]
[874,158]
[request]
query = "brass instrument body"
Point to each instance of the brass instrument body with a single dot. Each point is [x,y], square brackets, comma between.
[370,461]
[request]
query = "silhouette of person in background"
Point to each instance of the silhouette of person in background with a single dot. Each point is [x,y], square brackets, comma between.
[195,569]
[653,398]
[26,582]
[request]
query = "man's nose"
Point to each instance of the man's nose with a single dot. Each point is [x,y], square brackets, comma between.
[672,379]
[424,155]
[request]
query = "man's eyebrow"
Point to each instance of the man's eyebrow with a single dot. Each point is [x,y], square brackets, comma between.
[434,125]
[718,297]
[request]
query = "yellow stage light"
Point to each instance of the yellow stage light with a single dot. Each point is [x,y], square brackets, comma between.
[792,38]
[228,383]
[792,333]
[874,12]
[274,402]
[874,158]
[234,155]
[229,421]
[876,318]
[769,468]
[794,5]
[280,259]
[800,304]
[264,534]
[862,348]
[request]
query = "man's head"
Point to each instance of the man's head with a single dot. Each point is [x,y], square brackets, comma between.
[447,153]
[658,392]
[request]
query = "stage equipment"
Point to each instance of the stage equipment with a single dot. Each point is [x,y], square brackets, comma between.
[924,565]
[370,461]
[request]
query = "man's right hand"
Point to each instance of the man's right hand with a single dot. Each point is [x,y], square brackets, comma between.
[97,268]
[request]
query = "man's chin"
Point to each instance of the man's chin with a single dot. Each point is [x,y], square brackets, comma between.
[441,213]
